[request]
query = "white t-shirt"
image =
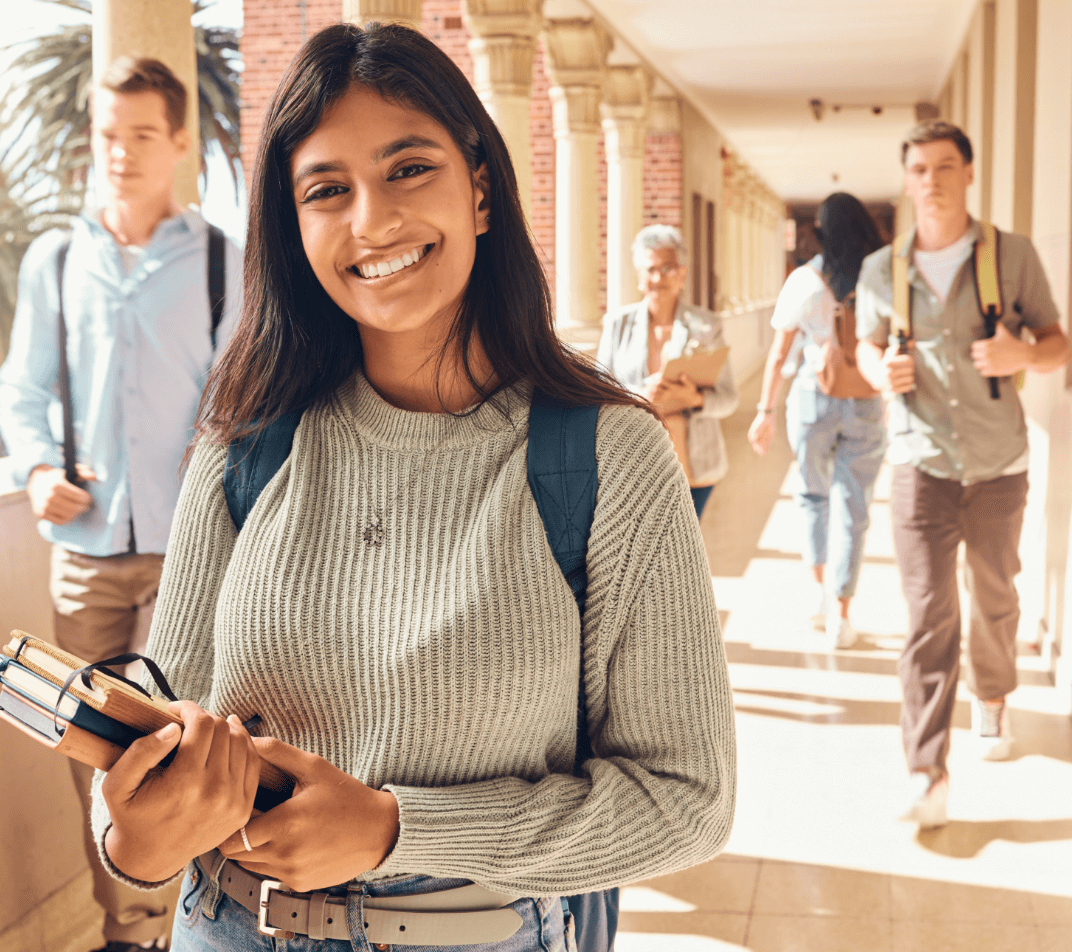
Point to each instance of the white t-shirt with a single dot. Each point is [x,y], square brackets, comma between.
[805,303]
[130,255]
[940,267]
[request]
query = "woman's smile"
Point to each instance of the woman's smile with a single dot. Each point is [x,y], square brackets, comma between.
[385,267]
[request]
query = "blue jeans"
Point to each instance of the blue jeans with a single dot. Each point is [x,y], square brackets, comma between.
[839,445]
[208,920]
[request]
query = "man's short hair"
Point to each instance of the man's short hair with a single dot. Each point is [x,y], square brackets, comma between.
[128,74]
[937,130]
[654,237]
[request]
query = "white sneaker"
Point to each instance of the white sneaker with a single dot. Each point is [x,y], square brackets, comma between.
[929,799]
[817,619]
[840,631]
[990,725]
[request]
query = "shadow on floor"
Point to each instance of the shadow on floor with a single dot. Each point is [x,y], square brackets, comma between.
[1036,733]
[963,839]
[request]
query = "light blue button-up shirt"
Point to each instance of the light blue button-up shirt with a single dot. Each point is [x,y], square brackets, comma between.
[139,348]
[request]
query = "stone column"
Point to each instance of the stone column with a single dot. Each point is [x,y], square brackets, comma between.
[503,46]
[406,12]
[577,53]
[625,120]
[160,30]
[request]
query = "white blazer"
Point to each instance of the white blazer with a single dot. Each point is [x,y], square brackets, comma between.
[623,350]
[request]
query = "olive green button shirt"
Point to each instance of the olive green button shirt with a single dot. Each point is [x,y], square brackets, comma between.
[949,426]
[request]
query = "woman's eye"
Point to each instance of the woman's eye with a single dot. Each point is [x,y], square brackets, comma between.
[323,191]
[410,171]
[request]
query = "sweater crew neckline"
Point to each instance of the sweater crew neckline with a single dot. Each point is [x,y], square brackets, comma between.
[377,420]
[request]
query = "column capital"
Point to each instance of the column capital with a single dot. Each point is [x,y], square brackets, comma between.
[407,12]
[627,87]
[577,52]
[624,110]
[574,109]
[502,64]
[664,117]
[513,18]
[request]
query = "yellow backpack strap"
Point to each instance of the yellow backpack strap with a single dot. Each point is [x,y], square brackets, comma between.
[988,287]
[901,321]
[987,278]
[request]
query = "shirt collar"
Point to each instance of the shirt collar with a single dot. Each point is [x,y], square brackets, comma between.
[910,246]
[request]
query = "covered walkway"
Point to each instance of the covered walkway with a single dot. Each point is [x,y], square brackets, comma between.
[817,861]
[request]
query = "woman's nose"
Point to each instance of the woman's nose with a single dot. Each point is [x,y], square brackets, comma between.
[374,216]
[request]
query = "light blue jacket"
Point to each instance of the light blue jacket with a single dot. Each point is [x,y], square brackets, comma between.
[139,349]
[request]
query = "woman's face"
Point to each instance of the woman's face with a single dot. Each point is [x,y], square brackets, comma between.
[389,214]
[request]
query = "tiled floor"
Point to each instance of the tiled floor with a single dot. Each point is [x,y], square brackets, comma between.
[817,861]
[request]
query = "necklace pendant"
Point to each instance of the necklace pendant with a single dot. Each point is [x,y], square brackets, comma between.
[374,532]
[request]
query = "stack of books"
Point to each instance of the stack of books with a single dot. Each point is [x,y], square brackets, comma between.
[93,724]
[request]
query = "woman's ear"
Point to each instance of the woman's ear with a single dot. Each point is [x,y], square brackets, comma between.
[481,203]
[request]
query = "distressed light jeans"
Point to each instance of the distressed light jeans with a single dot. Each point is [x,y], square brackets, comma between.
[208,920]
[839,445]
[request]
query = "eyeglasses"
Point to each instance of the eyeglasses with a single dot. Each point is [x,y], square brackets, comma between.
[665,270]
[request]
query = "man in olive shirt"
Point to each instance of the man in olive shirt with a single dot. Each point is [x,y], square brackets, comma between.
[959,456]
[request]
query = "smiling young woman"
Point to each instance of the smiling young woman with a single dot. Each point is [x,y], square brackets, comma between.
[391,610]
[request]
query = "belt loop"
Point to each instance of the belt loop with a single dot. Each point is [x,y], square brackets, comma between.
[211,900]
[315,927]
[356,924]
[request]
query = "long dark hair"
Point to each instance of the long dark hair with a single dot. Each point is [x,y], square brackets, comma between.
[294,345]
[847,234]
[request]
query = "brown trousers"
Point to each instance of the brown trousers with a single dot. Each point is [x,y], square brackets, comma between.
[97,603]
[930,519]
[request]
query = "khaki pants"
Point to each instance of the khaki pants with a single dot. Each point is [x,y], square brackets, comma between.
[97,603]
[930,519]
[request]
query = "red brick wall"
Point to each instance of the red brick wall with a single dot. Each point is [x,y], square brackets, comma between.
[271,35]
[662,180]
[441,22]
[543,165]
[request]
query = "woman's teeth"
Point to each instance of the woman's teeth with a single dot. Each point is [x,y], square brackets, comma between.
[384,268]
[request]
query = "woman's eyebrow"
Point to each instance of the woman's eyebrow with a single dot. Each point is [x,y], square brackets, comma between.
[406,142]
[316,168]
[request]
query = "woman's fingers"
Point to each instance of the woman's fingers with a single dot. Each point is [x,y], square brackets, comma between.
[144,754]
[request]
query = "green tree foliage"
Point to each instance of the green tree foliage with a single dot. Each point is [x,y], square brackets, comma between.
[44,121]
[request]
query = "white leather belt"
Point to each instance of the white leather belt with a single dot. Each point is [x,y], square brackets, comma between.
[466,915]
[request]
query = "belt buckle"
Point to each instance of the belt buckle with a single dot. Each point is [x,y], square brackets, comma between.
[267,885]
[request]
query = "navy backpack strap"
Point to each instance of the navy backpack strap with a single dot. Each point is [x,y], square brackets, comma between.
[252,461]
[66,404]
[563,478]
[217,278]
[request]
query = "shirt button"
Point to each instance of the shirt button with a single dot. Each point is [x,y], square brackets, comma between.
[956,436]
[947,332]
[954,402]
[382,946]
[950,367]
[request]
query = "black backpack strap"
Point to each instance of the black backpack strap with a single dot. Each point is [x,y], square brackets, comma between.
[564,478]
[252,461]
[69,458]
[217,277]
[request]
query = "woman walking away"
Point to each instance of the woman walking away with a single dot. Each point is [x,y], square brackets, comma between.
[639,339]
[838,440]
[392,608]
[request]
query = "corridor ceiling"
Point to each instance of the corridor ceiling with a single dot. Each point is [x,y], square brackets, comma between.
[752,67]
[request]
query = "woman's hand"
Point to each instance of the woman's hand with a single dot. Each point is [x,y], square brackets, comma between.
[761,432]
[676,396]
[332,829]
[162,819]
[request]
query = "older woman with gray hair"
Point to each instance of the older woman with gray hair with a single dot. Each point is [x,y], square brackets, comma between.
[639,339]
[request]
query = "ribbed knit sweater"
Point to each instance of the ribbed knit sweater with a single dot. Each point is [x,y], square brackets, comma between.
[443,665]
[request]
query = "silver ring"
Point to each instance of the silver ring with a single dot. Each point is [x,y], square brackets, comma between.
[245,840]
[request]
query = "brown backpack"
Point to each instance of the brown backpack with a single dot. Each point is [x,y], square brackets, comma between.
[839,376]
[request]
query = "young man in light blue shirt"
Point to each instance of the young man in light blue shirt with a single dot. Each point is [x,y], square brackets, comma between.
[140,341]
